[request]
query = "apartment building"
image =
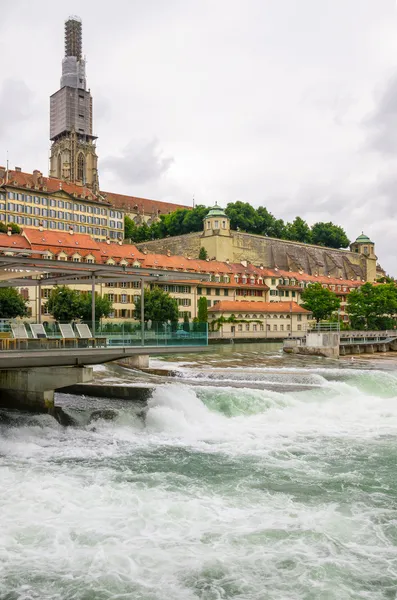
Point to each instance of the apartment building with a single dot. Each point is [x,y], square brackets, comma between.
[229,282]
[31,200]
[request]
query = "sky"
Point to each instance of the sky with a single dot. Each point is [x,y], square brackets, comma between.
[288,104]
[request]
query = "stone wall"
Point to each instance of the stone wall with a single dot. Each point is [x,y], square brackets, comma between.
[295,256]
[269,252]
[182,245]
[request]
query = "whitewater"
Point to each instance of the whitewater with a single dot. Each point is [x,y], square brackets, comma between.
[248,476]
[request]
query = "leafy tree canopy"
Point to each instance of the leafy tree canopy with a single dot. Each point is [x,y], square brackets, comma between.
[330,235]
[64,304]
[103,307]
[203,254]
[11,304]
[321,302]
[202,310]
[14,228]
[373,306]
[159,307]
[244,217]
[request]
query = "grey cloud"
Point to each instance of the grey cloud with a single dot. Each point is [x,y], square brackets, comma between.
[383,122]
[140,162]
[16,100]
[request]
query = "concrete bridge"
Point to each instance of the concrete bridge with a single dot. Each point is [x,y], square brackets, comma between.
[28,378]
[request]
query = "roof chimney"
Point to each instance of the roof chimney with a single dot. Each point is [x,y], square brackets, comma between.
[37,177]
[71,230]
[41,226]
[168,252]
[108,240]
[18,169]
[9,231]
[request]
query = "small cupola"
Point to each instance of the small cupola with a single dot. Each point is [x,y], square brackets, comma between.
[363,245]
[216,222]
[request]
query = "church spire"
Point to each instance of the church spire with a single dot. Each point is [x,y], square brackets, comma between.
[73,154]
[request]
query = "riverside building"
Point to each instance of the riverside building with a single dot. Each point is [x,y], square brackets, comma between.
[256,296]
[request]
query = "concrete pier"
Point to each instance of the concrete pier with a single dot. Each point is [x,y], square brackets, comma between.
[33,389]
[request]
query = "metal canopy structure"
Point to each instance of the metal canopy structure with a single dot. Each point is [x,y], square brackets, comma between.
[24,271]
[19,269]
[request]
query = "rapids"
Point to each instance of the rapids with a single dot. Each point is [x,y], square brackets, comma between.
[250,476]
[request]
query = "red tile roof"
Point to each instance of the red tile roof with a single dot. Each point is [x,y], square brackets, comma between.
[139,205]
[60,239]
[119,252]
[257,307]
[13,241]
[28,180]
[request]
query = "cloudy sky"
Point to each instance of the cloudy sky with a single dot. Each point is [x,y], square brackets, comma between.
[291,104]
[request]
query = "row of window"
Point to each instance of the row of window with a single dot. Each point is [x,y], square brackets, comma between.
[176,289]
[208,291]
[283,293]
[66,216]
[260,327]
[61,226]
[114,214]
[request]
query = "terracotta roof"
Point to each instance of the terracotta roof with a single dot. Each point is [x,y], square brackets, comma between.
[59,239]
[117,251]
[139,205]
[13,241]
[27,180]
[257,307]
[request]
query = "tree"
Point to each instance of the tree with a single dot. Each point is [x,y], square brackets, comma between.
[202,310]
[321,302]
[103,307]
[373,306]
[203,254]
[159,307]
[11,304]
[298,231]
[14,228]
[243,216]
[64,304]
[186,324]
[129,228]
[330,235]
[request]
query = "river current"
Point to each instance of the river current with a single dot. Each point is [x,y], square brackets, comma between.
[249,476]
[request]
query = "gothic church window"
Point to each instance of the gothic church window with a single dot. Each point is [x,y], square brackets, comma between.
[80,167]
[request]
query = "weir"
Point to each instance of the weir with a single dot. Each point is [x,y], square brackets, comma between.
[326,340]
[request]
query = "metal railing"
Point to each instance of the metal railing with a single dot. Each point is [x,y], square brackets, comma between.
[129,334]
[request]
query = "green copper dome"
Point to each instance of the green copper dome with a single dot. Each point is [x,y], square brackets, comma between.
[363,239]
[216,211]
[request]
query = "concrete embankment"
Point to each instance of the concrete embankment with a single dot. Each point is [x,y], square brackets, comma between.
[121,392]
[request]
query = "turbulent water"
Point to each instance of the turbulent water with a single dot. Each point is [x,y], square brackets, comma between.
[251,476]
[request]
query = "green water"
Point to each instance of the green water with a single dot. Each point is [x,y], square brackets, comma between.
[251,477]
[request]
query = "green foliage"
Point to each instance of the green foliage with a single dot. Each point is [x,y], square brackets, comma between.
[64,304]
[373,306]
[298,231]
[203,254]
[103,307]
[11,304]
[244,217]
[159,307]
[321,302]
[14,228]
[330,235]
[129,228]
[186,324]
[202,311]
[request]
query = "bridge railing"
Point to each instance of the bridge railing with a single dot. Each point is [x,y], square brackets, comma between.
[127,334]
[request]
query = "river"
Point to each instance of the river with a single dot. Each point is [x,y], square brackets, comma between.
[251,475]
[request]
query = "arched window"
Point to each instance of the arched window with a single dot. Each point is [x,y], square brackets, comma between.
[80,167]
[59,166]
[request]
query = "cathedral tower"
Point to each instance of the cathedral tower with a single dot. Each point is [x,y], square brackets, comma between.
[73,154]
